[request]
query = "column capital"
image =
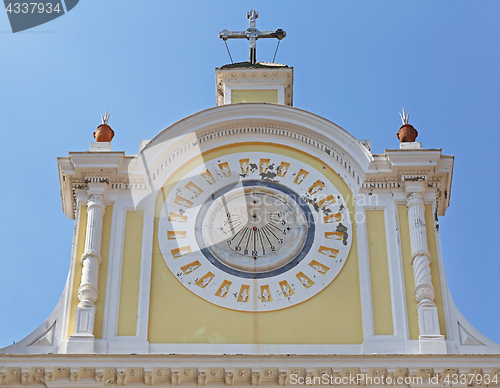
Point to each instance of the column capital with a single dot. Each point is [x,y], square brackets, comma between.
[414,182]
[415,198]
[95,200]
[96,184]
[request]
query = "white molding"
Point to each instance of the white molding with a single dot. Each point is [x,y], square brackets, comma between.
[442,277]
[71,276]
[112,200]
[116,268]
[398,202]
[254,349]
[275,77]
[192,369]
[364,276]
[145,275]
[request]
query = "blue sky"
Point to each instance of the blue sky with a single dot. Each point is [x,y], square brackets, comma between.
[152,63]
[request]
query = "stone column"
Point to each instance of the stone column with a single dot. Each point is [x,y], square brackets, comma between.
[91,259]
[431,340]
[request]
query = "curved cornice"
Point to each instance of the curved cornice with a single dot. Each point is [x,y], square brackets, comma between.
[272,116]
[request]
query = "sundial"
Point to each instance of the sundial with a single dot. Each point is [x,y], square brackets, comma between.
[255,231]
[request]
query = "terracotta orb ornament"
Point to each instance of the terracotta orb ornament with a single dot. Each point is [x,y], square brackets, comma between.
[104,133]
[407,133]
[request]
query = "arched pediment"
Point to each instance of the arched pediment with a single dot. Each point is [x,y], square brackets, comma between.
[269,122]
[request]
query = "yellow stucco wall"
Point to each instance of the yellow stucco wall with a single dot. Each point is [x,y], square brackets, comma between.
[411,303]
[103,269]
[379,273]
[254,95]
[131,272]
[436,279]
[77,274]
[331,317]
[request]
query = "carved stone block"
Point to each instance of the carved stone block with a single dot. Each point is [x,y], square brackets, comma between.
[37,375]
[282,378]
[84,320]
[401,372]
[494,372]
[61,372]
[350,371]
[215,375]
[390,378]
[148,378]
[242,375]
[74,377]
[229,378]
[296,372]
[425,372]
[269,375]
[26,378]
[120,377]
[109,375]
[188,375]
[13,375]
[175,378]
[256,380]
[161,375]
[475,371]
[336,378]
[310,377]
[377,372]
[99,376]
[86,373]
[448,372]
[202,378]
[318,372]
[475,376]
[134,376]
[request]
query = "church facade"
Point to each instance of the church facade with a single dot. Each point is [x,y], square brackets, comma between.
[254,243]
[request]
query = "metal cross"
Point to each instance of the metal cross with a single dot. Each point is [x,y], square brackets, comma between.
[252,34]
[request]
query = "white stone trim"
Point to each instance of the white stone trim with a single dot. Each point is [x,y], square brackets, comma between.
[145,275]
[364,276]
[280,78]
[117,265]
[112,199]
[272,370]
[252,131]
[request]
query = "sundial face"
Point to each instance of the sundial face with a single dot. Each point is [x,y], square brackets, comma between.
[255,231]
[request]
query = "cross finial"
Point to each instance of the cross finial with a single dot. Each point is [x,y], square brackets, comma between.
[252,14]
[252,34]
